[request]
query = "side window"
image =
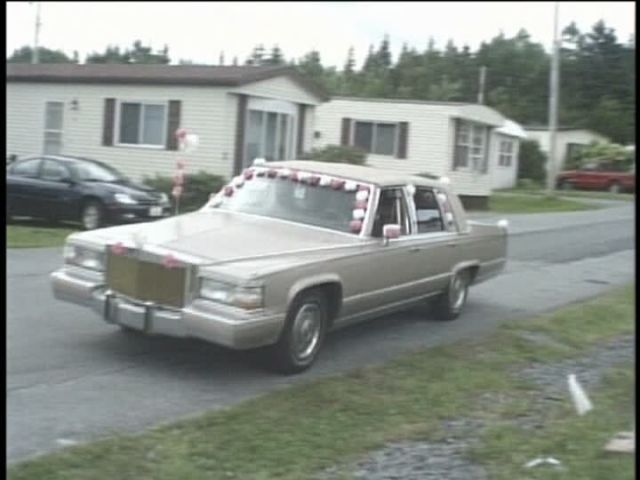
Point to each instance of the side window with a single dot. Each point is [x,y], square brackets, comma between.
[428,213]
[26,168]
[447,210]
[392,209]
[53,171]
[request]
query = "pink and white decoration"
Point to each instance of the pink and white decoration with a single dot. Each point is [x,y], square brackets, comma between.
[187,142]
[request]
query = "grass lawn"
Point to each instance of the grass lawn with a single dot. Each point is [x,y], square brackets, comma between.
[30,235]
[533,204]
[293,433]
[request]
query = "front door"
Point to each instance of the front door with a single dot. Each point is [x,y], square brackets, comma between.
[269,135]
[385,274]
[53,117]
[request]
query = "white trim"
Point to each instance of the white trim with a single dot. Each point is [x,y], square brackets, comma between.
[155,146]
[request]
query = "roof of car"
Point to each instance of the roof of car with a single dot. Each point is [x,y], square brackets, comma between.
[377,176]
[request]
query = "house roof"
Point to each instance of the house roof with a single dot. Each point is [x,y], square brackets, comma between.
[227,76]
[512,129]
[468,111]
[543,128]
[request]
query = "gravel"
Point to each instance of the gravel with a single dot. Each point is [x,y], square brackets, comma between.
[448,460]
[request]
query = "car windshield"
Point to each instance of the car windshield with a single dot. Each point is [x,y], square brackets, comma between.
[96,172]
[321,206]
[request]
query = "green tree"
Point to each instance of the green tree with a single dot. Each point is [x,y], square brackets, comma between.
[137,54]
[45,55]
[531,162]
[276,58]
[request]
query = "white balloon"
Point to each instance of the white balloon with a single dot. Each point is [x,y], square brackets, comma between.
[358,214]
[350,186]
[362,195]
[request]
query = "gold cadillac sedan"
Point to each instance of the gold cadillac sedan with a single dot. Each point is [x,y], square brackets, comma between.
[281,255]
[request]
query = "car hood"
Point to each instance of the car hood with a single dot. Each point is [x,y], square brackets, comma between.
[218,236]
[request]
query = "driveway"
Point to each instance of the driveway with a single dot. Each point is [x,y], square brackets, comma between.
[72,378]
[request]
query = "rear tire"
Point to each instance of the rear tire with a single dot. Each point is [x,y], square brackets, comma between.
[92,215]
[615,188]
[302,336]
[450,303]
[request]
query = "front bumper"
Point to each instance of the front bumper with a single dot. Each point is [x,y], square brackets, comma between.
[118,213]
[201,319]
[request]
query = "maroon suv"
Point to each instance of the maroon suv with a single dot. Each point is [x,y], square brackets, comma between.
[603,176]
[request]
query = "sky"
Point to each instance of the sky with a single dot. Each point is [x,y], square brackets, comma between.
[199,31]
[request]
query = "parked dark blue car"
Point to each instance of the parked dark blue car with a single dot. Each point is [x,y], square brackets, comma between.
[57,187]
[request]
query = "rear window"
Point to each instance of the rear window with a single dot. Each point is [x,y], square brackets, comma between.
[26,168]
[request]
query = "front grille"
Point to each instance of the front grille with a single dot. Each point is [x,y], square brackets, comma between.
[146,281]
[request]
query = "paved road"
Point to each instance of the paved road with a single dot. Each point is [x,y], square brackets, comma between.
[71,377]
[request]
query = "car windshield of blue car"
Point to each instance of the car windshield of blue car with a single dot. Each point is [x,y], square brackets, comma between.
[293,201]
[94,172]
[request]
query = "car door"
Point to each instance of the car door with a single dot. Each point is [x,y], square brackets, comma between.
[435,241]
[22,186]
[58,192]
[386,273]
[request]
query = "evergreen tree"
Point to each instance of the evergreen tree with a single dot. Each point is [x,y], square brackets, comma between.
[45,55]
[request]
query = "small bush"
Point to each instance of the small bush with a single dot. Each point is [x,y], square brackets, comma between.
[531,162]
[197,188]
[337,154]
[610,153]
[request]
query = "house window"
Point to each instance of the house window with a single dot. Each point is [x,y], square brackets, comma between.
[54,112]
[505,157]
[470,146]
[376,138]
[269,135]
[142,124]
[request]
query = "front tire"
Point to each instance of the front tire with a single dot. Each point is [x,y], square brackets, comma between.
[92,215]
[615,188]
[302,336]
[566,185]
[451,302]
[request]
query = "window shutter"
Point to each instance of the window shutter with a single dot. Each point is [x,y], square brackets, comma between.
[108,123]
[456,129]
[346,132]
[302,110]
[173,124]
[403,137]
[487,152]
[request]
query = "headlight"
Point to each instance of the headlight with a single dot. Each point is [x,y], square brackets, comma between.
[249,298]
[124,198]
[84,257]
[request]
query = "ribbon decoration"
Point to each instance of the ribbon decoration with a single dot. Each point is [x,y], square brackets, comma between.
[187,142]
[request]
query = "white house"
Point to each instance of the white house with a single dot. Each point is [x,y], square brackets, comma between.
[457,140]
[505,150]
[569,140]
[127,115]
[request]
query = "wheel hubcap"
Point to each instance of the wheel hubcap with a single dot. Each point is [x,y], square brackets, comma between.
[458,292]
[306,331]
[90,217]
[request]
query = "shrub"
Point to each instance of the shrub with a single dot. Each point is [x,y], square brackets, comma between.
[611,153]
[337,154]
[197,188]
[531,162]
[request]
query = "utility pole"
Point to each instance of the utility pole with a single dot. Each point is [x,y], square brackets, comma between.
[554,83]
[34,53]
[483,76]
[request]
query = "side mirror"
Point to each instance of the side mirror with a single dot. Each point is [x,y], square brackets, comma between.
[390,232]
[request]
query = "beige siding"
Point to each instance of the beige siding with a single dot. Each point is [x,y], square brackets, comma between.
[207,112]
[282,88]
[430,139]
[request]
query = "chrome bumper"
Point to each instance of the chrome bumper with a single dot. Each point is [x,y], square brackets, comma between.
[200,319]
